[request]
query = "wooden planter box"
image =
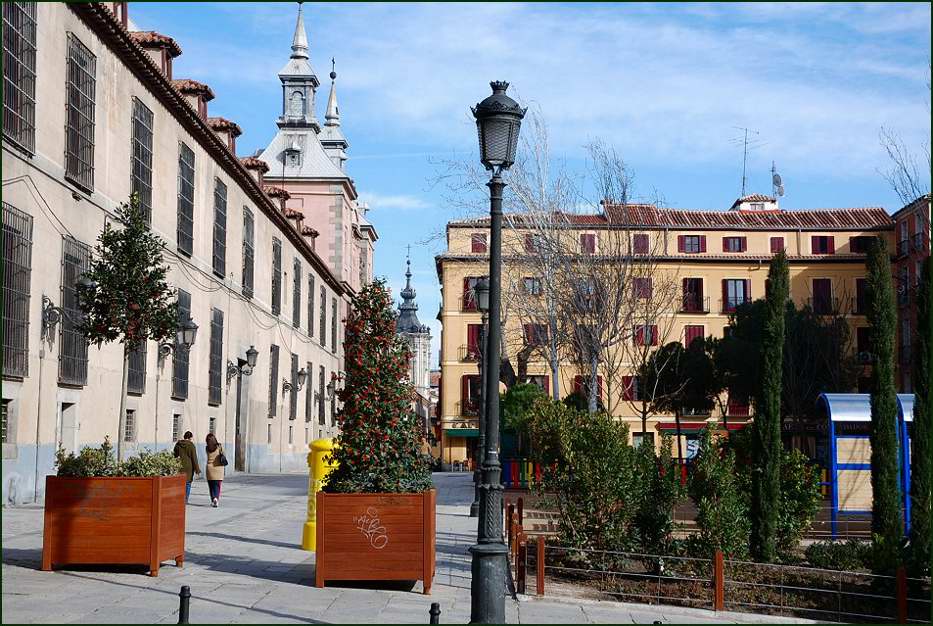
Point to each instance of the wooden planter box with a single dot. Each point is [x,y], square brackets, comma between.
[375,536]
[114,521]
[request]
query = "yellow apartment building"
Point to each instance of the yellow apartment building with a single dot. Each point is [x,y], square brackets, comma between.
[714,260]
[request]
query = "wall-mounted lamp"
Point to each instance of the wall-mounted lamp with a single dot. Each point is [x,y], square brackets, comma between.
[52,315]
[185,335]
[242,367]
[302,376]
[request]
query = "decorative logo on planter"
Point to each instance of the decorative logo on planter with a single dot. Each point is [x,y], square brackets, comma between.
[372,528]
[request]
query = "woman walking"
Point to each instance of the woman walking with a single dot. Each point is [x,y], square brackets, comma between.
[216,460]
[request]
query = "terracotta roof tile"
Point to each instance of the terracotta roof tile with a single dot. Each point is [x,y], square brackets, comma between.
[276,192]
[307,231]
[252,163]
[222,123]
[152,39]
[188,85]
[294,214]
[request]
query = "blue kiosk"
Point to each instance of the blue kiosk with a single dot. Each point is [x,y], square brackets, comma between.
[849,416]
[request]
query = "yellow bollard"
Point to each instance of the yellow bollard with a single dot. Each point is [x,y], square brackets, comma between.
[319,468]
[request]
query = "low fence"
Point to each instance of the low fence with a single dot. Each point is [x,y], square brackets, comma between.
[718,583]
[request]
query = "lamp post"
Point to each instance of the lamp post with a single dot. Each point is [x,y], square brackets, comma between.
[482,303]
[498,119]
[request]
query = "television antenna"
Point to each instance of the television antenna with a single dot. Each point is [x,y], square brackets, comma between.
[747,144]
[777,185]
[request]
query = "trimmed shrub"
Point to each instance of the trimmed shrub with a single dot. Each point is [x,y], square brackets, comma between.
[93,462]
[847,555]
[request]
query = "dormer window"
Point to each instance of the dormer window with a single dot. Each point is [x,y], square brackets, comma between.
[293,157]
[758,206]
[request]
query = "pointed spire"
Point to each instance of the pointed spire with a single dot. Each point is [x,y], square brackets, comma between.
[300,40]
[332,116]
[408,317]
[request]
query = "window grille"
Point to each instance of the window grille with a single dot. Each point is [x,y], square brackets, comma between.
[136,374]
[129,426]
[142,158]
[19,74]
[276,276]
[322,392]
[17,276]
[309,392]
[176,427]
[333,324]
[291,434]
[79,105]
[220,228]
[215,367]
[333,408]
[296,294]
[293,392]
[248,252]
[268,433]
[5,421]
[185,228]
[273,378]
[72,354]
[180,353]
[212,425]
[323,316]
[310,305]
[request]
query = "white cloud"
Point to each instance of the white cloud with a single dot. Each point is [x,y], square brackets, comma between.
[399,202]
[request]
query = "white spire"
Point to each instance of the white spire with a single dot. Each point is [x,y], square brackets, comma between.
[300,40]
[332,116]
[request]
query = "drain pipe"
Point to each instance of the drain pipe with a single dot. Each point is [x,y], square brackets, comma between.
[38,420]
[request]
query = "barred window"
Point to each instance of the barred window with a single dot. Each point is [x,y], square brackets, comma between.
[136,375]
[273,378]
[248,252]
[220,228]
[176,427]
[5,421]
[142,157]
[215,366]
[293,392]
[333,407]
[310,306]
[79,126]
[322,392]
[276,276]
[212,425]
[129,425]
[296,293]
[323,316]
[309,392]
[333,324]
[19,74]
[72,354]
[185,227]
[17,276]
[180,354]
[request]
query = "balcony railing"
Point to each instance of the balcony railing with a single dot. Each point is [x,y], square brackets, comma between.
[823,306]
[903,247]
[729,305]
[469,354]
[468,303]
[694,304]
[859,306]
[468,407]
[919,245]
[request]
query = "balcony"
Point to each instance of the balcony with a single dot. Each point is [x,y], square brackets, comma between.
[468,407]
[694,304]
[903,247]
[729,305]
[823,305]
[919,244]
[858,306]
[469,354]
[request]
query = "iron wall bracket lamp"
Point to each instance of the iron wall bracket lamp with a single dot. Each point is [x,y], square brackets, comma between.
[243,367]
[185,335]
[300,382]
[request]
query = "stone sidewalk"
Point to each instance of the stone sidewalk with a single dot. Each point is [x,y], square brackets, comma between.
[244,565]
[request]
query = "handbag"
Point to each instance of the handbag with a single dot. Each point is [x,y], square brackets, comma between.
[222,459]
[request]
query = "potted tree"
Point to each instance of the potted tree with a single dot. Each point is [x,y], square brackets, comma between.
[375,514]
[99,511]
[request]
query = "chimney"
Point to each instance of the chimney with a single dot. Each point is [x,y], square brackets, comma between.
[310,234]
[120,10]
[225,129]
[256,168]
[197,94]
[160,48]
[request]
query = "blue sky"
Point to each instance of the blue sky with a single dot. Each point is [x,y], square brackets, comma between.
[664,84]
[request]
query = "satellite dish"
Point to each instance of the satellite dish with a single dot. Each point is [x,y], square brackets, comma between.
[776,180]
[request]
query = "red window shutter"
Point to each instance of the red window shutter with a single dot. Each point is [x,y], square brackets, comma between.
[478,242]
[725,296]
[748,290]
[777,244]
[814,245]
[654,335]
[691,333]
[473,339]
[680,243]
[725,244]
[578,384]
[638,336]
[686,288]
[702,243]
[529,243]
[547,385]
[529,331]
[830,245]
[744,244]
[641,244]
[599,387]
[628,391]
[464,388]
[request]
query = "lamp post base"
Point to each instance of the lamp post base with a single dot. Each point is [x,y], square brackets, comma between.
[487,592]
[474,506]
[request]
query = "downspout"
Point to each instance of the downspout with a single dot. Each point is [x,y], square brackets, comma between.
[38,422]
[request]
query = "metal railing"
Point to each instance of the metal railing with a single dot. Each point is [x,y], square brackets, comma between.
[468,408]
[468,354]
[903,247]
[823,306]
[468,303]
[919,244]
[859,306]
[729,305]
[694,304]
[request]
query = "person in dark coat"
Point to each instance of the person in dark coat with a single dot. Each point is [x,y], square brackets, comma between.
[188,454]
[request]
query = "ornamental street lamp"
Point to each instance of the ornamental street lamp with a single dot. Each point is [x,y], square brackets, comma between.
[498,119]
[482,303]
[185,335]
[242,367]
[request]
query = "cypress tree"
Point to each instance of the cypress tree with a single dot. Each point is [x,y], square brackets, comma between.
[766,478]
[886,521]
[920,462]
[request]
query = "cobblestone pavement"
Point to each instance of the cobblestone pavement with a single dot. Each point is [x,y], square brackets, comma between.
[244,565]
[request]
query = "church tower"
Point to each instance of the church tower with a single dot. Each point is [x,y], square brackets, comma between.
[299,83]
[332,138]
[418,337]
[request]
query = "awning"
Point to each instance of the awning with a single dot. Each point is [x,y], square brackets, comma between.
[856,407]
[462,432]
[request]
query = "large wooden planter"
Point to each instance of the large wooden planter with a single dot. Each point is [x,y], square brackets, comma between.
[375,536]
[114,521]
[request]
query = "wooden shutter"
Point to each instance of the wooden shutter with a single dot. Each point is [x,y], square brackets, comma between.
[473,338]
[814,248]
[547,385]
[529,243]
[681,246]
[743,244]
[777,244]
[702,243]
[830,245]
[748,290]
[599,387]
[578,384]
[725,295]
[464,388]
[654,335]
[628,390]
[641,244]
